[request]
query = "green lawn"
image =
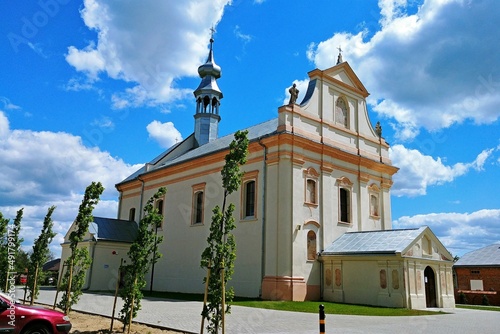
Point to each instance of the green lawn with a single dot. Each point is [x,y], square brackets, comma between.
[310,307]
[334,308]
[479,307]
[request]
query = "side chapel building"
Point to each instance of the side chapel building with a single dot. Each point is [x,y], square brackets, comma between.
[313,213]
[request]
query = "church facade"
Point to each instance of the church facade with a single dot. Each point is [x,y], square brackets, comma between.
[317,171]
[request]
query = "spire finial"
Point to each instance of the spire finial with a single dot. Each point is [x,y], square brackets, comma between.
[339,58]
[212,32]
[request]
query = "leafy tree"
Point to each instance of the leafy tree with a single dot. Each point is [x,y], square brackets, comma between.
[219,256]
[40,255]
[4,249]
[79,260]
[145,244]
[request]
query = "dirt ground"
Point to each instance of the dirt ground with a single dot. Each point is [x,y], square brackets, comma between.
[93,324]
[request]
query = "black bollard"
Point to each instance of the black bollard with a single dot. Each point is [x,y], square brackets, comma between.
[321,319]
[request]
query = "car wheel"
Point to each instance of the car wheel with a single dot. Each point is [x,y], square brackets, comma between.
[37,329]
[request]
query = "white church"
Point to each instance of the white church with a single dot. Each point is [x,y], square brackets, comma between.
[313,214]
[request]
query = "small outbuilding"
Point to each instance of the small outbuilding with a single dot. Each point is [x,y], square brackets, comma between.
[478,276]
[407,268]
[108,241]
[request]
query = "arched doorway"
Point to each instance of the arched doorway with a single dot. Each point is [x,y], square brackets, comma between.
[430,287]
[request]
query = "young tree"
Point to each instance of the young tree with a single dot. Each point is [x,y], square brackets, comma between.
[79,260]
[145,244]
[4,249]
[218,258]
[40,255]
[14,242]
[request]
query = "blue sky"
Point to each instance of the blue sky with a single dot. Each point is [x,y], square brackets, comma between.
[92,89]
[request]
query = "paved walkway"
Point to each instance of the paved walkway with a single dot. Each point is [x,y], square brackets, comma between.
[185,316]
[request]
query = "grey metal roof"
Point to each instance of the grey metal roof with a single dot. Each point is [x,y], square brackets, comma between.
[487,256]
[254,132]
[114,229]
[374,242]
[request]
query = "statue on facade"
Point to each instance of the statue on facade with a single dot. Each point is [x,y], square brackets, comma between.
[294,93]
[378,129]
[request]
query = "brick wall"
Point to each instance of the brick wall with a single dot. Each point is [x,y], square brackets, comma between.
[491,284]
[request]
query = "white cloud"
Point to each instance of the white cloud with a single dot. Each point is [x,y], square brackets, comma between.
[418,171]
[149,43]
[164,133]
[41,169]
[459,232]
[433,68]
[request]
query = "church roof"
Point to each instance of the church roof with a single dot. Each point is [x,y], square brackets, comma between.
[109,229]
[486,256]
[254,132]
[374,242]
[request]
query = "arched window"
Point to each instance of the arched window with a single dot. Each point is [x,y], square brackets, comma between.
[248,195]
[131,214]
[198,204]
[311,245]
[341,112]
[159,207]
[198,209]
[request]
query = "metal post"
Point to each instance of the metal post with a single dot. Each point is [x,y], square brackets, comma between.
[321,319]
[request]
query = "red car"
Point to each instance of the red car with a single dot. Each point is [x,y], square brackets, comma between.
[16,318]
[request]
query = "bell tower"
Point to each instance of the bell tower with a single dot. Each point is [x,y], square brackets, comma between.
[208,96]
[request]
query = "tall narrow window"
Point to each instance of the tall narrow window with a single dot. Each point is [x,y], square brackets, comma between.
[198,204]
[159,207]
[198,216]
[374,206]
[311,245]
[345,189]
[344,205]
[248,195]
[250,199]
[131,214]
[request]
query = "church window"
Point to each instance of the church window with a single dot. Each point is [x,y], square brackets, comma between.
[249,195]
[311,246]
[159,207]
[198,208]
[198,204]
[250,199]
[344,205]
[345,186]
[341,112]
[311,189]
[131,214]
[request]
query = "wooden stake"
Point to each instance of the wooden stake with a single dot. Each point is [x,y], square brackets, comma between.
[34,286]
[205,297]
[116,295]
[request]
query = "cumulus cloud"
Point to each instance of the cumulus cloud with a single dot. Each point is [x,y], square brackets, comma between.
[433,68]
[148,43]
[418,171]
[164,133]
[459,232]
[41,169]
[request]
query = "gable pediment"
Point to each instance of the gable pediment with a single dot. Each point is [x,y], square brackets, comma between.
[427,246]
[343,76]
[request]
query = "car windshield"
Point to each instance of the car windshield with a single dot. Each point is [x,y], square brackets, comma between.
[9,298]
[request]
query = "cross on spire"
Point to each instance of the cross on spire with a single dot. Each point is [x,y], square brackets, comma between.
[212,30]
